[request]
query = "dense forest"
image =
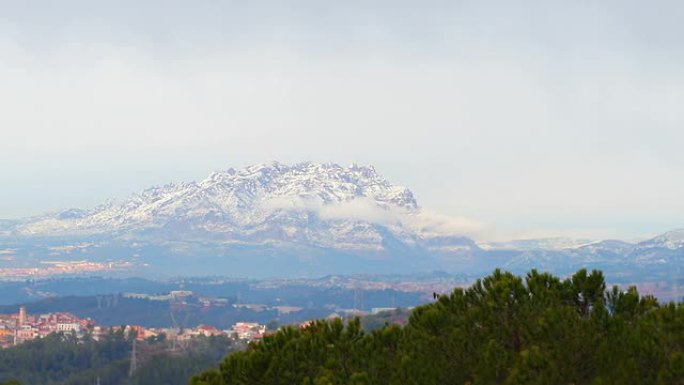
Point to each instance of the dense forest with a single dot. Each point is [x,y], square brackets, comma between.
[504,329]
[62,359]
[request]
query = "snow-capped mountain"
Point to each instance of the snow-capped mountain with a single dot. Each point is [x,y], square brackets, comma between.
[277,207]
[605,255]
[672,240]
[662,255]
[322,204]
[610,247]
[555,243]
[302,219]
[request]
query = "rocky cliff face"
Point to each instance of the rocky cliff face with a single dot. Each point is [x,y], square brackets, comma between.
[309,211]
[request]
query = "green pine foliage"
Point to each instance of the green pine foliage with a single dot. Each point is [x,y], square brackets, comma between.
[504,329]
[63,359]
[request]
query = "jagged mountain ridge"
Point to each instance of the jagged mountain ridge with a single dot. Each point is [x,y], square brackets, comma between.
[302,219]
[319,205]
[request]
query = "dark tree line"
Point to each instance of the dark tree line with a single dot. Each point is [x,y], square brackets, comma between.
[59,358]
[63,359]
[502,330]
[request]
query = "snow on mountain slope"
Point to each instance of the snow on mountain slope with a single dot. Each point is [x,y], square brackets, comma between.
[302,219]
[673,240]
[322,205]
[555,243]
[614,247]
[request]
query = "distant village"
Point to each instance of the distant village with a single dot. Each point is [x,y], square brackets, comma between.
[22,326]
[57,268]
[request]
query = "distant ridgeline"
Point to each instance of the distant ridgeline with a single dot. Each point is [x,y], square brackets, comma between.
[299,220]
[503,330]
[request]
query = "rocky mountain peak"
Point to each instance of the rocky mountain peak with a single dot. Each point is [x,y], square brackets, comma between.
[234,200]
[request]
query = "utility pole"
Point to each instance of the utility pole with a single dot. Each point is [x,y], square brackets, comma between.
[358,301]
[134,363]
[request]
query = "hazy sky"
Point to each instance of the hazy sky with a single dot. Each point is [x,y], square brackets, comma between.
[532,117]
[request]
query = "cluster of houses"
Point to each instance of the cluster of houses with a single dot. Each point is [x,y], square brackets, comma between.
[247,331]
[21,327]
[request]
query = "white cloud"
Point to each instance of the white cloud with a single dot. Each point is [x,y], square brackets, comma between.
[367,210]
[361,209]
[439,224]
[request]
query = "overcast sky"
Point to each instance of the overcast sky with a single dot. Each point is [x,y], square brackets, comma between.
[533,118]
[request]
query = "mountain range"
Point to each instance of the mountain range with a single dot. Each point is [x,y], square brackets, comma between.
[300,220]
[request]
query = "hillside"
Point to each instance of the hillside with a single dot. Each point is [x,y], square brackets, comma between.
[502,330]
